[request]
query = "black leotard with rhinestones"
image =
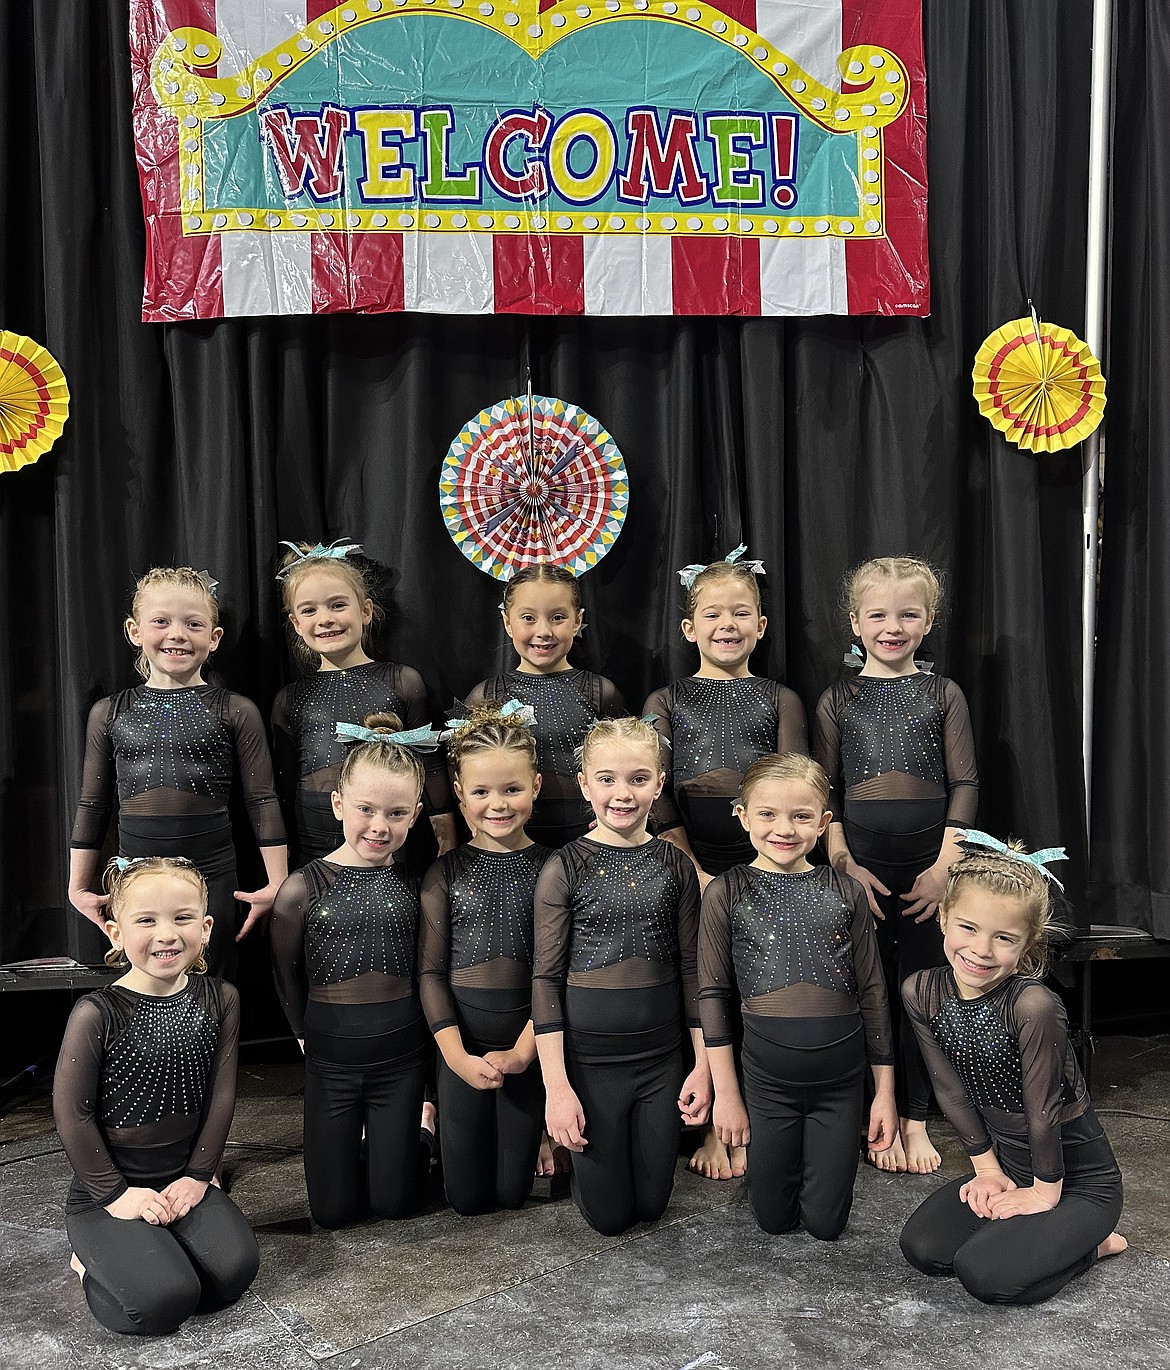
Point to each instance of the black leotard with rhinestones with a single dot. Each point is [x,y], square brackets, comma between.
[614,918]
[791,946]
[715,730]
[1002,1065]
[476,931]
[900,737]
[565,704]
[175,752]
[344,935]
[145,1087]
[306,713]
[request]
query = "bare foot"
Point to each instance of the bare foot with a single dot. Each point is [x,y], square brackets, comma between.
[738,1161]
[79,1270]
[711,1159]
[430,1117]
[1113,1245]
[921,1156]
[892,1159]
[544,1157]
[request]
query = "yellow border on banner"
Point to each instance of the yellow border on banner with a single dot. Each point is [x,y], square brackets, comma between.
[195,99]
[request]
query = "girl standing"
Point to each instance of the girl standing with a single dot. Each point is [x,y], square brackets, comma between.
[475,967]
[795,943]
[169,750]
[716,723]
[1045,1196]
[896,743]
[343,944]
[327,600]
[542,616]
[616,916]
[143,1098]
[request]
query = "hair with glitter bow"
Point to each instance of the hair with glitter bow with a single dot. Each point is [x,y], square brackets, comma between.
[336,551]
[210,585]
[523,714]
[972,837]
[687,574]
[424,739]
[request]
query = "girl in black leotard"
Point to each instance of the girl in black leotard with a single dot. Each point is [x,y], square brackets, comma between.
[143,1097]
[616,929]
[543,615]
[794,943]
[327,599]
[344,933]
[1045,1196]
[896,744]
[716,723]
[475,968]
[169,751]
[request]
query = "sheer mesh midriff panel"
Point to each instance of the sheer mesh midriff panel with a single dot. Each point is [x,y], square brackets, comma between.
[371,988]
[894,785]
[635,973]
[801,1001]
[500,973]
[163,803]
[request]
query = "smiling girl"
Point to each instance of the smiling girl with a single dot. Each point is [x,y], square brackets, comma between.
[475,967]
[1045,1196]
[896,744]
[343,945]
[794,943]
[542,617]
[143,1097]
[169,750]
[614,975]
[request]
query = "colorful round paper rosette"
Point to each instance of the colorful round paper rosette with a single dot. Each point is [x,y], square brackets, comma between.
[34,401]
[1039,385]
[533,479]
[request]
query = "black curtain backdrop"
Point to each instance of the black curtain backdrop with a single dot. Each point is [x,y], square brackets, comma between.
[1131,850]
[818,443]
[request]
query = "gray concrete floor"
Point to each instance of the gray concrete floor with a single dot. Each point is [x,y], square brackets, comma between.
[703,1288]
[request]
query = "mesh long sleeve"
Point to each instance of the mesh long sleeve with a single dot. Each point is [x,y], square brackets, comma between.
[289,913]
[98,780]
[1045,1054]
[949,1090]
[76,1092]
[871,982]
[434,949]
[220,1105]
[665,814]
[255,767]
[827,751]
[553,942]
[716,969]
[962,774]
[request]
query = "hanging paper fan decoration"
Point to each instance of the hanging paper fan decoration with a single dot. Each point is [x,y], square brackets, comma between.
[1039,385]
[34,401]
[533,479]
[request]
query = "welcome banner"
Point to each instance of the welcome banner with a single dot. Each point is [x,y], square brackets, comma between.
[621,157]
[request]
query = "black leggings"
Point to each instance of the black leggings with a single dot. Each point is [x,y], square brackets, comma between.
[206,840]
[1025,1259]
[490,1138]
[804,1105]
[375,1083]
[897,858]
[149,1280]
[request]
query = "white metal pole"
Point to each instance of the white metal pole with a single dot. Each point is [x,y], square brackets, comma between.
[1096,269]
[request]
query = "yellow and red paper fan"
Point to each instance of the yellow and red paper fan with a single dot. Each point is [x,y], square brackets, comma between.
[34,401]
[1039,385]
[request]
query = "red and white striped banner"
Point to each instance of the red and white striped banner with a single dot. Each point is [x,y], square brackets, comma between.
[206,259]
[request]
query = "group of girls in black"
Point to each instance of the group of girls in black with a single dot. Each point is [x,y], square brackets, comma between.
[634,939]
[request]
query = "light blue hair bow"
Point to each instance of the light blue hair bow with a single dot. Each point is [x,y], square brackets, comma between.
[854,658]
[525,713]
[974,838]
[336,551]
[688,573]
[211,585]
[424,739]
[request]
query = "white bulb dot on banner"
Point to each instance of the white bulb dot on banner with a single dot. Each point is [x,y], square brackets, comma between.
[613,6]
[670,7]
[694,15]
[694,224]
[887,97]
[770,226]
[583,11]
[869,131]
[871,177]
[512,221]
[171,87]
[740,40]
[379,220]
[432,221]
[590,222]
[300,220]
[822,225]
[201,49]
[856,68]
[780,68]
[844,115]
[349,15]
[373,6]
[285,59]
[194,221]
[877,60]
[563,221]
[243,92]
[245,218]
[641,4]
[191,145]
[511,20]
[455,4]
[872,226]
[325,27]
[353,220]
[193,193]
[191,97]
[485,221]
[872,199]
[305,43]
[893,77]
[717,27]
[558,21]
[642,223]
[166,64]
[535,31]
[190,121]
[798,85]
[616,221]
[870,154]
[869,110]
[459,221]
[669,223]
[720,225]
[219,221]
[760,54]
[192,168]
[844,226]
[745,225]
[263,74]
[327,220]
[218,97]
[180,45]
[817,102]
[485,10]
[272,220]
[795,226]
